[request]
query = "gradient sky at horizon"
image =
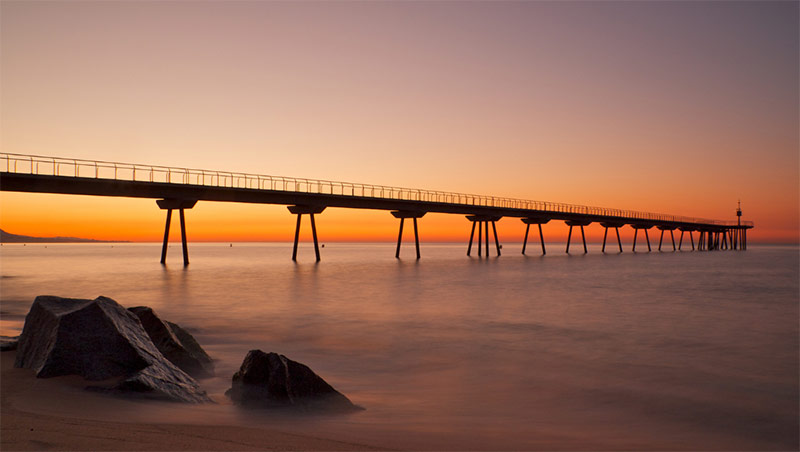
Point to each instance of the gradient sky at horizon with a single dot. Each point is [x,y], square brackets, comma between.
[673,107]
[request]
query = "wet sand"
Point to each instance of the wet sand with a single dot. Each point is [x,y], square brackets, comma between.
[56,414]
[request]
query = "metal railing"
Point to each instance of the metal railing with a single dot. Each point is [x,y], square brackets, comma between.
[57,166]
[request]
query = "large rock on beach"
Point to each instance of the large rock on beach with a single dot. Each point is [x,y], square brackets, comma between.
[98,340]
[175,343]
[270,380]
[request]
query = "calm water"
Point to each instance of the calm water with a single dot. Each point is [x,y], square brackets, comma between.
[687,350]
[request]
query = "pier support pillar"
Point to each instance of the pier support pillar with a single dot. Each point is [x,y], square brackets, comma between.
[636,228]
[166,238]
[539,222]
[311,211]
[616,227]
[402,215]
[580,223]
[680,242]
[486,230]
[471,235]
[169,205]
[663,228]
[496,241]
[483,232]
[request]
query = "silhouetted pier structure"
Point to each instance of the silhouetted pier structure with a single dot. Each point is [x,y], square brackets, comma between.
[181,188]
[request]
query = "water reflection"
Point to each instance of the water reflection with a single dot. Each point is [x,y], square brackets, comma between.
[590,351]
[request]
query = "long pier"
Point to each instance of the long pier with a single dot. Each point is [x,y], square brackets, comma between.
[181,188]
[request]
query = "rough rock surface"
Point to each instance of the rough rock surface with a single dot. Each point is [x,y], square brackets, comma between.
[163,382]
[175,343]
[99,339]
[8,343]
[271,380]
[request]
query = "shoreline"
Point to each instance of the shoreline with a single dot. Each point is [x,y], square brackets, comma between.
[54,421]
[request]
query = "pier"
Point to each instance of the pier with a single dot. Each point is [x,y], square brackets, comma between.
[181,188]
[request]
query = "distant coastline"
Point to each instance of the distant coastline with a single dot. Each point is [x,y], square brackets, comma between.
[7,237]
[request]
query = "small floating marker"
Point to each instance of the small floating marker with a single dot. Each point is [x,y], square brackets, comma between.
[231,245]
[323,245]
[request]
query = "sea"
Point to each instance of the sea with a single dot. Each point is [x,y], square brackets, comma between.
[687,350]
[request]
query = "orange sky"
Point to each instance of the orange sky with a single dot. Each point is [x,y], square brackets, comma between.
[672,107]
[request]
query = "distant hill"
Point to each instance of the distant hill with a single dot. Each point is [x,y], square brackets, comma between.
[6,237]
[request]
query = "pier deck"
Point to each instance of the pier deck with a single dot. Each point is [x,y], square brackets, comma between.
[180,188]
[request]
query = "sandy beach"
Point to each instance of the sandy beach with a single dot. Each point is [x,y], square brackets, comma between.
[56,414]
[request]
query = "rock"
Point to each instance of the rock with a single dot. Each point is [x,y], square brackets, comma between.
[175,343]
[96,339]
[268,380]
[99,339]
[163,382]
[8,343]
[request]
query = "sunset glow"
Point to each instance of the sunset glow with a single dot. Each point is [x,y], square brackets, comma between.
[679,108]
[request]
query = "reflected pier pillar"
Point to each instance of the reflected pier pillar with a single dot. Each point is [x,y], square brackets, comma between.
[402,215]
[169,205]
[299,211]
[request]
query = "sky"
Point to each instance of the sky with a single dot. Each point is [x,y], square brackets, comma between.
[672,107]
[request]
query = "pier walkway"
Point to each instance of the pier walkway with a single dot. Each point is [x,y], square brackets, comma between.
[181,188]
